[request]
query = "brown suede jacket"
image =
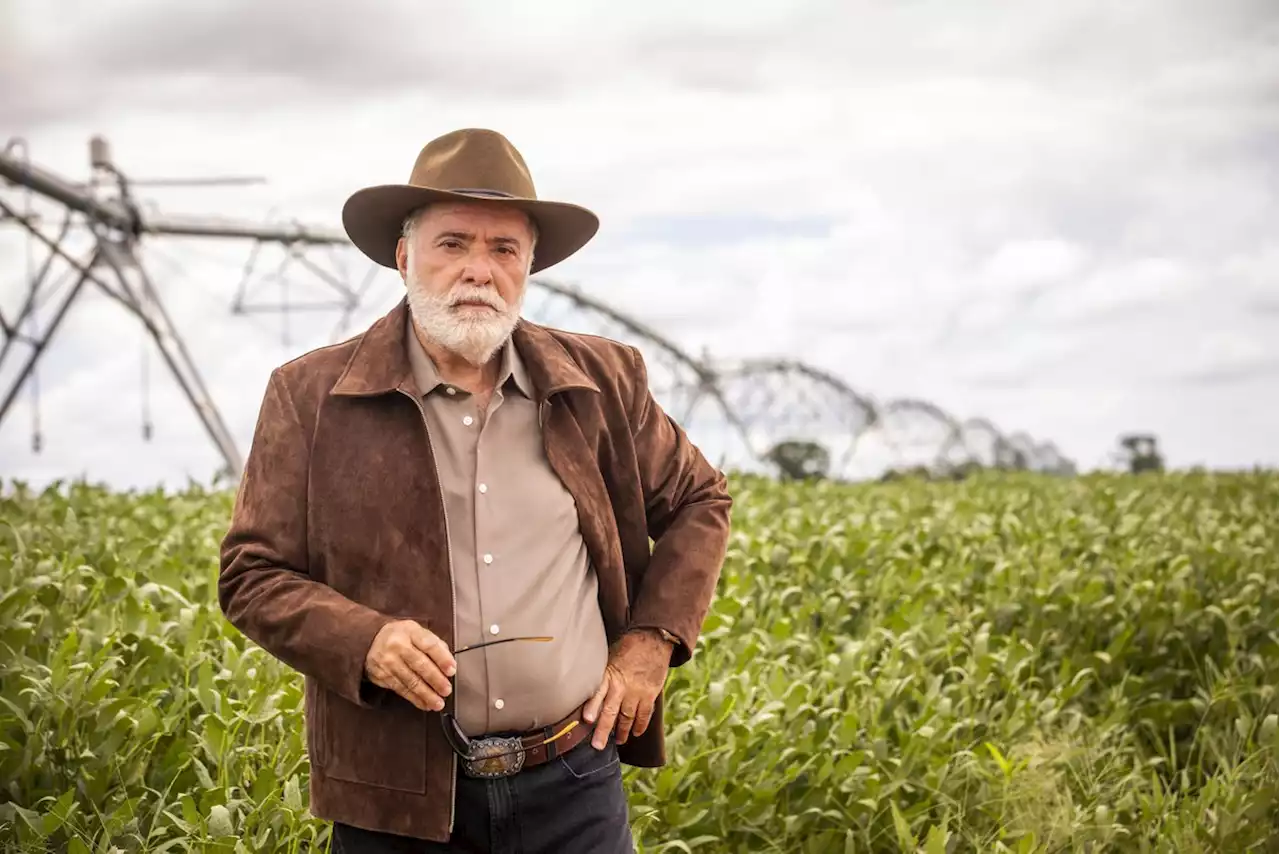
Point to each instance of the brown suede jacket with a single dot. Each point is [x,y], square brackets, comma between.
[338,528]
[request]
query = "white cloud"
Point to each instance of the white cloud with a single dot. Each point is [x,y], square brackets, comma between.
[1060,216]
[1030,265]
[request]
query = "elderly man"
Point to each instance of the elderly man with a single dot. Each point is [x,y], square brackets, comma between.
[480,539]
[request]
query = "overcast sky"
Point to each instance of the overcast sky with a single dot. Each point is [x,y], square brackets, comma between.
[1059,216]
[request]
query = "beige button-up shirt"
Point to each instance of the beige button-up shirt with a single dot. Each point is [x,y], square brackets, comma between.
[520,566]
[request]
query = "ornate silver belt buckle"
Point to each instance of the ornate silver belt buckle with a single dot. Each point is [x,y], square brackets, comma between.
[487,762]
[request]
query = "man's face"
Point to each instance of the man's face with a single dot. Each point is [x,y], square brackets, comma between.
[465,266]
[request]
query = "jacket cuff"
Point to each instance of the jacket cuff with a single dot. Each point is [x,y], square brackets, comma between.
[354,684]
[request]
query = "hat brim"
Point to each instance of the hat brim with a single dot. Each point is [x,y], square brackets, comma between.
[374,217]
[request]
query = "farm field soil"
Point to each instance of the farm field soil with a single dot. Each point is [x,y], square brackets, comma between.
[1009,663]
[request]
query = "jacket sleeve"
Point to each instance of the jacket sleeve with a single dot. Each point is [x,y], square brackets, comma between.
[687,506]
[264,585]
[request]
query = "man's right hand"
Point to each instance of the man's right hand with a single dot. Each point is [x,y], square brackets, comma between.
[412,661]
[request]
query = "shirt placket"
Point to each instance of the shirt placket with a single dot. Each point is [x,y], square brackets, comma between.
[488,561]
[457,411]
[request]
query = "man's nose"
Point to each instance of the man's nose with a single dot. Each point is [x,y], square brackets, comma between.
[478,274]
[478,270]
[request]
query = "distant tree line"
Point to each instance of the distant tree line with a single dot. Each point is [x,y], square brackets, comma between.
[802,459]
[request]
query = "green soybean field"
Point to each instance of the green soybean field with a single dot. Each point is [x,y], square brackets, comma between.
[1012,662]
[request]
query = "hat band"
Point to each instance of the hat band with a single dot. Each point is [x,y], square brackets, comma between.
[474,191]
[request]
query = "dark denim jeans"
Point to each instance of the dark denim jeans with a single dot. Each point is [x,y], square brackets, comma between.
[574,804]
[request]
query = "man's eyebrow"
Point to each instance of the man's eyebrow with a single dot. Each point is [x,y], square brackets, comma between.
[466,235]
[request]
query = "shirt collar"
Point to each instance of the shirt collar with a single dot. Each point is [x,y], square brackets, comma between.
[427,377]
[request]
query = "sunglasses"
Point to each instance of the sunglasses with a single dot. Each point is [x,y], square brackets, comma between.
[459,741]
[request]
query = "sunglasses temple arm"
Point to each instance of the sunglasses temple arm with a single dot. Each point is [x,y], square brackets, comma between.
[496,642]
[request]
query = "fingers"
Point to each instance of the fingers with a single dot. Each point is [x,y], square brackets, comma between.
[420,668]
[397,676]
[413,688]
[408,659]
[644,712]
[431,645]
[420,692]
[592,710]
[626,717]
[609,713]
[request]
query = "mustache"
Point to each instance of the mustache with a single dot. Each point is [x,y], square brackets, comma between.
[463,294]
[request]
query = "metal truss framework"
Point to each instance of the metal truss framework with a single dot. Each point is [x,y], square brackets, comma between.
[743,409]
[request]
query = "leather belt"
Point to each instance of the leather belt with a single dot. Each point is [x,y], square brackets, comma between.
[504,756]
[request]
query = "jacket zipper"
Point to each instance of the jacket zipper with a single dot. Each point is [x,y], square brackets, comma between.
[453,592]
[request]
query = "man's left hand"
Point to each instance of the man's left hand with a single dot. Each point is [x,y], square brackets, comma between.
[633,677]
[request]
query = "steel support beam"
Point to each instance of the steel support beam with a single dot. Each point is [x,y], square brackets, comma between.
[124,216]
[116,225]
[146,304]
[749,395]
[40,345]
[140,298]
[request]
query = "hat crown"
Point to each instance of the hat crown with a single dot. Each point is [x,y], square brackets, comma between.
[473,160]
[468,165]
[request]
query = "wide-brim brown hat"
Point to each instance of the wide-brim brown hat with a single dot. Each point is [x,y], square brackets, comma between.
[473,165]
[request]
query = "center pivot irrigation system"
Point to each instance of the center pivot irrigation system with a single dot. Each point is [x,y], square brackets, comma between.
[744,409]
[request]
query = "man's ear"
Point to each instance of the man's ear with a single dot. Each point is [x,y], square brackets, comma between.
[402,259]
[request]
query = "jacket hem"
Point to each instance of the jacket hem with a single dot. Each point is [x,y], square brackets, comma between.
[377,808]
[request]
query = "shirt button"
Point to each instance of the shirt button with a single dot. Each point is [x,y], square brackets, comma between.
[467,420]
[488,558]
[498,704]
[450,390]
[484,488]
[493,630]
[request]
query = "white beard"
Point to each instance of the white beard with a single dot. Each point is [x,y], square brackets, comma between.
[473,334]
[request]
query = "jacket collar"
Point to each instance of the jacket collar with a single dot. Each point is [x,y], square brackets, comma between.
[380,363]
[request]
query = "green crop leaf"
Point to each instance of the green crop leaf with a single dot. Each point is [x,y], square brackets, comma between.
[1006,767]
[220,821]
[906,840]
[293,794]
[264,785]
[1007,662]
